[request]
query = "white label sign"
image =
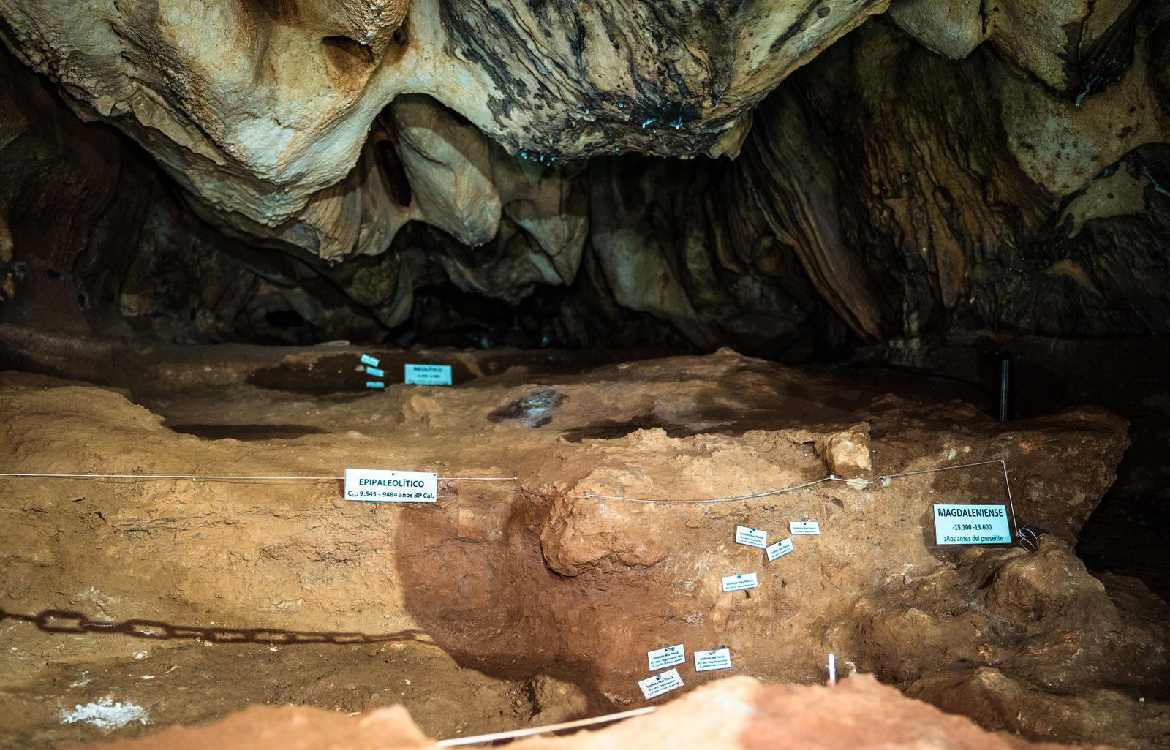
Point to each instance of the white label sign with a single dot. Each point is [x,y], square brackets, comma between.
[804,527]
[779,549]
[428,375]
[705,661]
[652,687]
[377,486]
[971,524]
[740,582]
[751,537]
[666,657]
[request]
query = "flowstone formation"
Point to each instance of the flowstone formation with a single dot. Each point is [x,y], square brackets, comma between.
[944,167]
[256,106]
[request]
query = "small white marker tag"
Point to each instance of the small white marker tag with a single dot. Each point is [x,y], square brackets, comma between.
[666,657]
[652,687]
[751,537]
[706,661]
[427,375]
[378,486]
[370,361]
[740,582]
[375,384]
[374,372]
[779,549]
[804,527]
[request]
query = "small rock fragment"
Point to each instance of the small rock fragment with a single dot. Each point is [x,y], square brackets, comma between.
[847,452]
[533,410]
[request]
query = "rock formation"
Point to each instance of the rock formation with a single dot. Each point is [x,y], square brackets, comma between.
[948,166]
[256,107]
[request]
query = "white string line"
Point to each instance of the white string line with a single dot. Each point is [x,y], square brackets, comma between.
[941,468]
[1006,482]
[221,478]
[795,488]
[587,495]
[482,739]
[709,500]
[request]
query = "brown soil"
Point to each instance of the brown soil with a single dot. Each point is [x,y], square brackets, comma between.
[534,579]
[735,713]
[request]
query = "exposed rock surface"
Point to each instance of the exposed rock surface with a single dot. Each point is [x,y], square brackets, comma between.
[885,192]
[1071,46]
[565,573]
[847,452]
[733,713]
[255,107]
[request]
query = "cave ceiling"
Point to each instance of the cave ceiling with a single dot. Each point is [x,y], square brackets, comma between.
[900,164]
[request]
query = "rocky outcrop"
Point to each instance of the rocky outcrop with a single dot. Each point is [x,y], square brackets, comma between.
[942,226]
[846,453]
[1073,47]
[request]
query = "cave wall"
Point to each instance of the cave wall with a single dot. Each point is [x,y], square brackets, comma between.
[962,195]
[937,170]
[95,239]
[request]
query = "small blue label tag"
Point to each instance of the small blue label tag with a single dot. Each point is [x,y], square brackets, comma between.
[971,524]
[370,361]
[374,372]
[428,375]
[375,384]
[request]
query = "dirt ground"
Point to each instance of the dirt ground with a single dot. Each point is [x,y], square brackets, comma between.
[514,602]
[733,714]
[193,682]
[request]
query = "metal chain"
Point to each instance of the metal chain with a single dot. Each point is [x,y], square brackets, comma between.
[64,621]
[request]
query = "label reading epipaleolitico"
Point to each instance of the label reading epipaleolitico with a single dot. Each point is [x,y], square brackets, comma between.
[804,527]
[706,661]
[971,524]
[379,486]
[779,549]
[740,582]
[751,537]
[666,657]
[652,687]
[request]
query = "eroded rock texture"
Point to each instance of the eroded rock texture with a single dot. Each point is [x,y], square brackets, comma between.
[256,106]
[946,166]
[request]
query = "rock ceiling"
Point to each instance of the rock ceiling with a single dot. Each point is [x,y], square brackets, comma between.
[325,126]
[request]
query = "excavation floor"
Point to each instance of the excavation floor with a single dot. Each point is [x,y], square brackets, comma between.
[46,677]
[517,601]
